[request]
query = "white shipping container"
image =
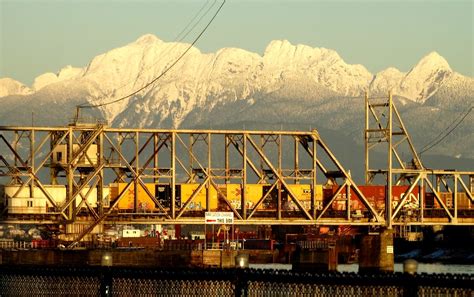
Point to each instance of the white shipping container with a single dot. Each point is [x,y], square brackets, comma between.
[27,205]
[57,192]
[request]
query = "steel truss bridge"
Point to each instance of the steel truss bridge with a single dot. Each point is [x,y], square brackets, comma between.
[85,159]
[384,128]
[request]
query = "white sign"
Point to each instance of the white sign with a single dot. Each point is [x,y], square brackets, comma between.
[389,249]
[219,218]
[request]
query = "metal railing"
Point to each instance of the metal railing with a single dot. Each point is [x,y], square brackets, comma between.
[108,281]
[10,244]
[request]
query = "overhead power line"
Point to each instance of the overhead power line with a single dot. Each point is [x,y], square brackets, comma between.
[170,46]
[435,142]
[86,105]
[179,37]
[442,132]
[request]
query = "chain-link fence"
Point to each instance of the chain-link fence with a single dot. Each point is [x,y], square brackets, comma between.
[153,287]
[113,281]
[48,282]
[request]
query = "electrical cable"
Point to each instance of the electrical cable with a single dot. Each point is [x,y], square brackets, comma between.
[86,105]
[171,45]
[177,39]
[442,132]
[425,148]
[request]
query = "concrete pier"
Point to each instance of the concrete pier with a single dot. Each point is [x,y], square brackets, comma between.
[376,252]
[317,260]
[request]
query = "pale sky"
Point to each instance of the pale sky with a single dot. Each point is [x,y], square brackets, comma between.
[39,36]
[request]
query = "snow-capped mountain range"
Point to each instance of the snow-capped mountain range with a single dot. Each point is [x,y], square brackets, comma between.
[289,86]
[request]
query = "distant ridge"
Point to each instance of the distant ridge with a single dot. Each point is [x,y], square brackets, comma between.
[287,85]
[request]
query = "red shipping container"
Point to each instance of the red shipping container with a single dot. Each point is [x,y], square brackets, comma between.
[375,195]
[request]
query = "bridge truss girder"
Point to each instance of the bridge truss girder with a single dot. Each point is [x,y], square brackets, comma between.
[137,157]
[384,127]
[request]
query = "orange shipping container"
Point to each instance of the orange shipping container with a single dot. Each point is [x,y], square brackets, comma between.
[253,193]
[144,202]
[303,194]
[199,201]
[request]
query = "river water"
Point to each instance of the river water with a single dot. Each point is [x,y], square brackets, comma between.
[422,268]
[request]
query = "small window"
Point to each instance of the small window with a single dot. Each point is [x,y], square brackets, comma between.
[29,203]
[59,157]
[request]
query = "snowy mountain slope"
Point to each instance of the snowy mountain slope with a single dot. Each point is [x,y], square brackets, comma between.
[52,105]
[321,65]
[10,86]
[423,80]
[67,73]
[287,85]
[386,80]
[455,94]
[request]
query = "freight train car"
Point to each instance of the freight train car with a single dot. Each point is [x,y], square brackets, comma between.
[34,201]
[162,193]
[376,196]
[28,201]
[447,198]
[231,192]
[254,192]
[127,201]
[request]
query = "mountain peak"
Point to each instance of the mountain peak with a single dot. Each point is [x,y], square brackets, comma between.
[386,80]
[287,52]
[278,47]
[433,61]
[425,78]
[390,71]
[147,38]
[10,86]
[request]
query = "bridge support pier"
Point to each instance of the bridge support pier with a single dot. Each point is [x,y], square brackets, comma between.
[376,252]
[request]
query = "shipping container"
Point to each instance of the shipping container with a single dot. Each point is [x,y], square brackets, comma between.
[27,205]
[234,194]
[430,200]
[254,192]
[303,194]
[127,201]
[464,202]
[29,201]
[375,195]
[183,193]
[163,195]
[199,201]
[447,198]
